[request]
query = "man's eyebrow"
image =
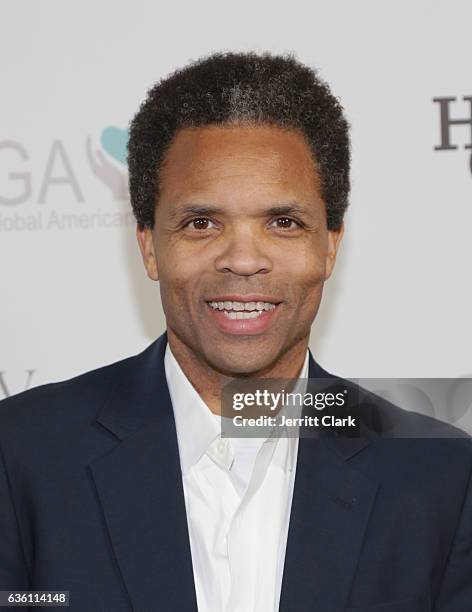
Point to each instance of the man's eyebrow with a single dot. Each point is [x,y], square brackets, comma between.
[203,210]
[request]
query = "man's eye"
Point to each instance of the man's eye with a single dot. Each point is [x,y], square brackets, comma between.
[286,223]
[200,223]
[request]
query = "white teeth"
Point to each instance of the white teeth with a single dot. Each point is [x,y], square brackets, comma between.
[242,306]
[243,315]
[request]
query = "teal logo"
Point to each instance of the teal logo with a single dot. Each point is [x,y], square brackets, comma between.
[115,140]
[102,160]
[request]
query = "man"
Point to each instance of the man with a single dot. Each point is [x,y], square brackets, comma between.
[117,485]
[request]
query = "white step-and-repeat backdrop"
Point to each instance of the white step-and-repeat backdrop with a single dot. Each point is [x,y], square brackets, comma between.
[74,292]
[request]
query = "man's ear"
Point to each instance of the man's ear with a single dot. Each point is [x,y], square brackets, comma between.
[148,253]
[334,238]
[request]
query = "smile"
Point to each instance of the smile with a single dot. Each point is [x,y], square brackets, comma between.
[249,317]
[242,310]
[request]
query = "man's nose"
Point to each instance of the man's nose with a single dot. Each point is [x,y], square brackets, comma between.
[244,253]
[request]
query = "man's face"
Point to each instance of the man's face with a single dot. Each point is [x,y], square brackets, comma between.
[240,221]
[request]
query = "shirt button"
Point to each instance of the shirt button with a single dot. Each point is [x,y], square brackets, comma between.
[221,447]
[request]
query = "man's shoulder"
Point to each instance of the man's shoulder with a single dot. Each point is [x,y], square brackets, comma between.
[76,398]
[381,419]
[389,420]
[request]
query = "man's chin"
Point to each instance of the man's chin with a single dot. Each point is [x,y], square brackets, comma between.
[240,364]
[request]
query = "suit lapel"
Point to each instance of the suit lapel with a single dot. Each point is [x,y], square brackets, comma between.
[140,490]
[331,506]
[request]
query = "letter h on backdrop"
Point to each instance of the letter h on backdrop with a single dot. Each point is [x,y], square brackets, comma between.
[446,122]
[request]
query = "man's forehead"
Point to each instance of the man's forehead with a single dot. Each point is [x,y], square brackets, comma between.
[261,154]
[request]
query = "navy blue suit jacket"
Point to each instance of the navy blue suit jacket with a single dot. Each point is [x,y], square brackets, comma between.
[91,501]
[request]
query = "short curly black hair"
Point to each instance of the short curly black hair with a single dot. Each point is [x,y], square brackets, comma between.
[240,88]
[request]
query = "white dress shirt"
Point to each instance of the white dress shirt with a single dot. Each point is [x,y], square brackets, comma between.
[238,496]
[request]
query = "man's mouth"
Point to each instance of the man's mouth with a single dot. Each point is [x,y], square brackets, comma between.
[250,314]
[242,310]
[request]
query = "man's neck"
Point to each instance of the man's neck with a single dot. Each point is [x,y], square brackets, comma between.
[208,381]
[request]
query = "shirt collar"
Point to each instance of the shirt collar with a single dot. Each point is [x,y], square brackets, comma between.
[196,426]
[197,429]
